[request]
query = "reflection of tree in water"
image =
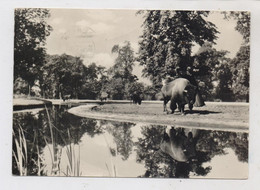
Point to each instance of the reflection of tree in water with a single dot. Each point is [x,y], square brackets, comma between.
[147,151]
[159,164]
[36,128]
[77,126]
[59,129]
[208,144]
[240,145]
[122,136]
[28,123]
[214,142]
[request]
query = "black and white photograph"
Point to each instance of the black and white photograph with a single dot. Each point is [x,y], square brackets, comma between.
[127,93]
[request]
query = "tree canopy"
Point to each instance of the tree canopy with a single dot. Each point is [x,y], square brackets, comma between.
[165,50]
[122,82]
[167,40]
[31,30]
[212,69]
[242,19]
[63,75]
[67,75]
[240,64]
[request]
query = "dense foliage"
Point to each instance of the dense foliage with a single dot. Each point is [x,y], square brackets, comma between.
[30,35]
[208,145]
[67,75]
[122,82]
[167,40]
[240,64]
[165,51]
[213,73]
[240,73]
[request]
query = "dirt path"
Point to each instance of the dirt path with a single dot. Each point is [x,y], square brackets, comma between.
[222,116]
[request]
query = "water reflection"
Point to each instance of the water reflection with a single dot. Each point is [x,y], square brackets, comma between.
[176,162]
[57,143]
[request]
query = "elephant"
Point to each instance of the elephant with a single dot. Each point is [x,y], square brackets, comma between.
[180,91]
[180,144]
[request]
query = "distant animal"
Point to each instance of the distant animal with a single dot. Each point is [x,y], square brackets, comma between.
[180,92]
[103,96]
[66,97]
[137,99]
[180,144]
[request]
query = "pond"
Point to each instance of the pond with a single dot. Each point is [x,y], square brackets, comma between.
[53,142]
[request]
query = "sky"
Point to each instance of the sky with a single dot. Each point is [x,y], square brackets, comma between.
[91,34]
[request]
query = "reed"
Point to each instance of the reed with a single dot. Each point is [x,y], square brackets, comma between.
[21,154]
[73,159]
[22,159]
[39,162]
[55,157]
[113,166]
[73,163]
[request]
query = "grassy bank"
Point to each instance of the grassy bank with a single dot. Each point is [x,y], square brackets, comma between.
[212,116]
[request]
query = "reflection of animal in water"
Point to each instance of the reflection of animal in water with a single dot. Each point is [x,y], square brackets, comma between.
[66,97]
[180,92]
[136,98]
[179,143]
[103,96]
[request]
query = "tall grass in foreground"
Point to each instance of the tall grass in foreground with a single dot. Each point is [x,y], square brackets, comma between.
[20,156]
[23,155]
[39,162]
[73,164]
[73,160]
[22,160]
[113,166]
[55,157]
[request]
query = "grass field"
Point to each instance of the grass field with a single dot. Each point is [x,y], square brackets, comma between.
[226,116]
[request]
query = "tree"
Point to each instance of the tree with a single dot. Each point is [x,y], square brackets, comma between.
[124,62]
[167,39]
[240,73]
[136,88]
[63,75]
[116,88]
[211,68]
[243,23]
[240,64]
[151,93]
[121,77]
[67,75]
[94,82]
[30,35]
[224,82]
